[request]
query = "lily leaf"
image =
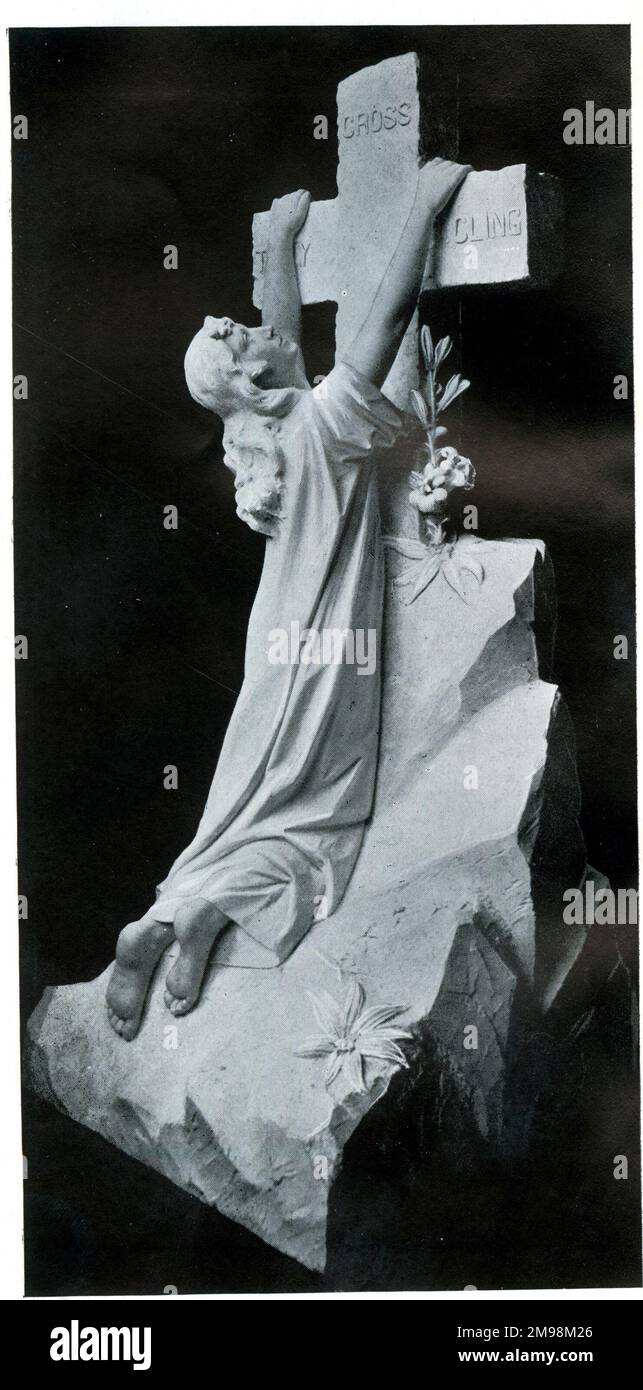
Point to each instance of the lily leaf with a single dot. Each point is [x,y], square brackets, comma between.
[334,1067]
[354,1005]
[421,408]
[427,573]
[407,576]
[354,1070]
[379,1014]
[454,388]
[403,545]
[315,1047]
[452,575]
[382,1050]
[472,566]
[326,1011]
[446,391]
[442,350]
[427,346]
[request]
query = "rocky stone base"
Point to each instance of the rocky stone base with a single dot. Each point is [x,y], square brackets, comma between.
[454,915]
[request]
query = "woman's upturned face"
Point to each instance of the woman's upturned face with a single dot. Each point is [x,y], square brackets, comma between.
[276,355]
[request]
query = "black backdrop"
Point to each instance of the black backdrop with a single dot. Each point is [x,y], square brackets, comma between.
[143,137]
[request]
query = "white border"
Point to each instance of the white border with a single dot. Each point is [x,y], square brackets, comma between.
[295,13]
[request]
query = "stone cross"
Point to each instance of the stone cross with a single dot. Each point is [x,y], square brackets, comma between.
[502,227]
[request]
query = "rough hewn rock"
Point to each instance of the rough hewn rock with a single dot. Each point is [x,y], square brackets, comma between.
[456,901]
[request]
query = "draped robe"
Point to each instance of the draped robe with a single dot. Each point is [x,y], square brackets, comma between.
[293,786]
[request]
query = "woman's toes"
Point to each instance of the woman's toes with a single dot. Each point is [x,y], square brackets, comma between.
[177,1004]
[126,1028]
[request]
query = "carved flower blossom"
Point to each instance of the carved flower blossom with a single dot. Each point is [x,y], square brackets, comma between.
[351,1034]
[431,487]
[456,563]
[457,470]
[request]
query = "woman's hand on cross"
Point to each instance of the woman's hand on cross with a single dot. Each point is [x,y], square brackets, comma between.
[288,214]
[281,306]
[437,182]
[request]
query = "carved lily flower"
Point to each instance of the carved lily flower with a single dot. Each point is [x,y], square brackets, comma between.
[351,1034]
[431,487]
[428,494]
[453,562]
[455,469]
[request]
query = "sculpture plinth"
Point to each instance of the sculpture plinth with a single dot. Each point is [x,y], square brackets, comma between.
[455,903]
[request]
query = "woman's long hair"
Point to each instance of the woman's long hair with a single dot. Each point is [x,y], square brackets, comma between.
[216,379]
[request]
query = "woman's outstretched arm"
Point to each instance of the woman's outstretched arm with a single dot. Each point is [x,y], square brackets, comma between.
[374,348]
[281,308]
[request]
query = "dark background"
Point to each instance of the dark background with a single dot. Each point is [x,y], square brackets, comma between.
[143,137]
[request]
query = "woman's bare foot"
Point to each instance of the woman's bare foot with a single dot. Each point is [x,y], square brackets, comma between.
[138,951]
[196,927]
